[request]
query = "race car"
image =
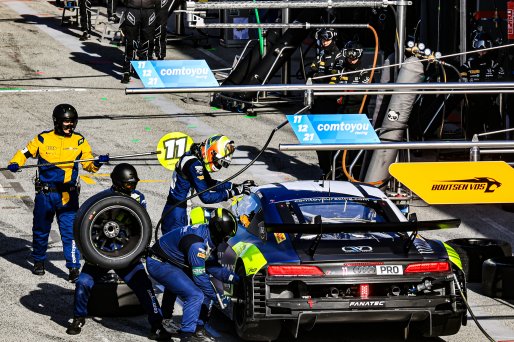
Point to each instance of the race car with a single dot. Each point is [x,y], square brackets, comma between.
[313,252]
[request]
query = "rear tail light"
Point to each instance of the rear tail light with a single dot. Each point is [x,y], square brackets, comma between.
[422,267]
[295,270]
[364,291]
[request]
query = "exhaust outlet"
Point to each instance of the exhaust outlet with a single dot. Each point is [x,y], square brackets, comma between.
[334,292]
[395,290]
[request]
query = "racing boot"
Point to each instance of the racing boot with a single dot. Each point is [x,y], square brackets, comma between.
[159,333]
[85,36]
[74,274]
[76,326]
[39,268]
[170,325]
[126,77]
[203,334]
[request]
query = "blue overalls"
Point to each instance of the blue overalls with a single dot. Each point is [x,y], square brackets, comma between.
[178,261]
[190,174]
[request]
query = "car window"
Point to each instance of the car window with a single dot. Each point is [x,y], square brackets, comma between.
[342,210]
[246,208]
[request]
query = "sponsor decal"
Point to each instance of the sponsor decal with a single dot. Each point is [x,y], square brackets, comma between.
[392,115]
[352,270]
[201,255]
[367,304]
[357,249]
[390,270]
[487,184]
[198,271]
[199,170]
[280,237]
[469,183]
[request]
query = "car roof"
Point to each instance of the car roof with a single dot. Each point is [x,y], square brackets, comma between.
[276,192]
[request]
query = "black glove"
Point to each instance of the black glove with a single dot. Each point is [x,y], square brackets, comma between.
[241,189]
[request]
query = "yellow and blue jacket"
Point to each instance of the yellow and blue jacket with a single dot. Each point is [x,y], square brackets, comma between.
[49,147]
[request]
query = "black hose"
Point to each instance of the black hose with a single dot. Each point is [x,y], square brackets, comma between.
[224,181]
[471,312]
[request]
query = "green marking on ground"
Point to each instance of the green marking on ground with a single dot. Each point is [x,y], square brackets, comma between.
[251,116]
[149,98]
[215,108]
[148,129]
[136,140]
[103,98]
[211,49]
[11,88]
[191,126]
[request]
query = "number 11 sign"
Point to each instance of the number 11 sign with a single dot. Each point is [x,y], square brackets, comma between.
[171,147]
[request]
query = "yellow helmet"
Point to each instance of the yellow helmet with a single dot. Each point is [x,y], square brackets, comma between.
[217,152]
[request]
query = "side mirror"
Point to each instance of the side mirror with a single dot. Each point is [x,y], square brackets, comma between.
[412,217]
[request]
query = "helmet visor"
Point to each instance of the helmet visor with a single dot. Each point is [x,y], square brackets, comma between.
[130,186]
[352,53]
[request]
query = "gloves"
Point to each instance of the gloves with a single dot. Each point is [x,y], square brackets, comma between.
[13,167]
[102,159]
[241,189]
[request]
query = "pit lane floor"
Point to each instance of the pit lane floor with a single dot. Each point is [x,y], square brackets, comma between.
[43,64]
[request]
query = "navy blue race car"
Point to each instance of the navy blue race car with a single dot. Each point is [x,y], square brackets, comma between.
[313,252]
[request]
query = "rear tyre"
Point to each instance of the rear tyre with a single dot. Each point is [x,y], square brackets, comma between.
[476,251]
[111,231]
[498,277]
[246,328]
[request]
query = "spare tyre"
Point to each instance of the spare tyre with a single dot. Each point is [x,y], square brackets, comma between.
[498,277]
[112,230]
[112,297]
[477,250]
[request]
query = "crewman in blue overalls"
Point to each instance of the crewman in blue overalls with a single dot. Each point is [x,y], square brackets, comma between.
[182,260]
[193,173]
[57,186]
[124,181]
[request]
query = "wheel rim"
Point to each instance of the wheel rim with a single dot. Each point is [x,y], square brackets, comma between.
[116,232]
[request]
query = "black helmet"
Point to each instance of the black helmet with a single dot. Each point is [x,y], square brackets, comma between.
[124,178]
[325,34]
[222,224]
[352,50]
[65,113]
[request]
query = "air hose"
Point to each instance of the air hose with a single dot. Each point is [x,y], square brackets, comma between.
[164,214]
[471,312]
[261,39]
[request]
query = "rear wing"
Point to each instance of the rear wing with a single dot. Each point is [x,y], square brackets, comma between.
[328,228]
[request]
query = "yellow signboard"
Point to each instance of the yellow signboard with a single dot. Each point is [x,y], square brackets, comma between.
[458,182]
[171,147]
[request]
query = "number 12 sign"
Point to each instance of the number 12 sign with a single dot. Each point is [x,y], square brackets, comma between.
[333,129]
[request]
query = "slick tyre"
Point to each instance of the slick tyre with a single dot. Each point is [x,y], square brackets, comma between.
[246,328]
[498,277]
[111,231]
[476,252]
[111,297]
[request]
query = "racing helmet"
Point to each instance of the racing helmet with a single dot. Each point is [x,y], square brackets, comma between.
[217,152]
[65,116]
[324,34]
[222,223]
[124,178]
[352,50]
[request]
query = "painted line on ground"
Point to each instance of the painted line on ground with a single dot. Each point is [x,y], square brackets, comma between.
[41,90]
[497,226]
[213,56]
